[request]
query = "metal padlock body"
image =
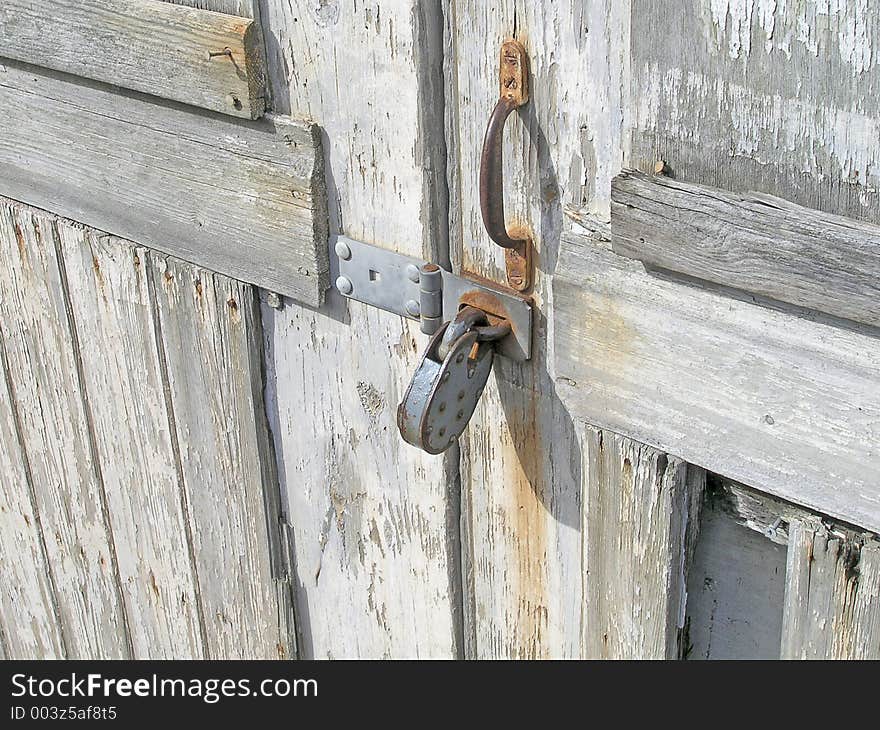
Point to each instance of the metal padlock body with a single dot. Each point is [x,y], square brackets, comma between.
[442,395]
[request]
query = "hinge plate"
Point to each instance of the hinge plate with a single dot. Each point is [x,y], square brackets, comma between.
[391,281]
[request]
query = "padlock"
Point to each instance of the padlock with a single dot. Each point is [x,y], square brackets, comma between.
[443,393]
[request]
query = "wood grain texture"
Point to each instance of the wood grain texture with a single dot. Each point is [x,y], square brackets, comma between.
[768,97]
[139,489]
[637,570]
[525,468]
[374,521]
[756,243]
[785,404]
[773,97]
[735,588]
[241,8]
[145,45]
[68,510]
[245,199]
[832,595]
[211,344]
[112,308]
[29,623]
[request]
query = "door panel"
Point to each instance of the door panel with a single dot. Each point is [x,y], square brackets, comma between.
[137,461]
[374,521]
[163,418]
[530,473]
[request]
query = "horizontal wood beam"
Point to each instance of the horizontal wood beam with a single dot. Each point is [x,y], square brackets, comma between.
[242,198]
[782,403]
[198,57]
[753,242]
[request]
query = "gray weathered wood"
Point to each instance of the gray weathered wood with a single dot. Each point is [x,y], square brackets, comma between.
[735,588]
[29,624]
[241,8]
[68,510]
[756,243]
[136,455]
[111,307]
[768,97]
[832,596]
[145,45]
[374,520]
[638,571]
[782,403]
[773,97]
[245,199]
[210,343]
[523,473]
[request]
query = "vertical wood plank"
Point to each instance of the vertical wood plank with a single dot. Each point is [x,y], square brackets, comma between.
[29,625]
[832,594]
[42,361]
[211,343]
[521,466]
[374,520]
[112,308]
[529,472]
[640,515]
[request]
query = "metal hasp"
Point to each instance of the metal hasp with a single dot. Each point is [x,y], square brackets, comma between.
[424,292]
[514,92]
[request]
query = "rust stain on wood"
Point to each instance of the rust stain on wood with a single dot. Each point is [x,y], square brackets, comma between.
[525,474]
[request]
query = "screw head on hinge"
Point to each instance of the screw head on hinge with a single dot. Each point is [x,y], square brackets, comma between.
[342,250]
[344,285]
[412,308]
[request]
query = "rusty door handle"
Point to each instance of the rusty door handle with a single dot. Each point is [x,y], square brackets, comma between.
[513,77]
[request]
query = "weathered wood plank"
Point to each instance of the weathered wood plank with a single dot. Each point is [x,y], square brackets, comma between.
[773,97]
[524,479]
[832,596]
[42,356]
[112,307]
[782,403]
[757,243]
[145,45]
[636,592]
[374,520]
[211,343]
[245,199]
[29,625]
[241,8]
[735,587]
[174,403]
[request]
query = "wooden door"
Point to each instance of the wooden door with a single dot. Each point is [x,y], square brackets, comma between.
[188,388]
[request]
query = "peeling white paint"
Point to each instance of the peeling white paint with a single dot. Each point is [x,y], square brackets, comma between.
[823,139]
[816,25]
